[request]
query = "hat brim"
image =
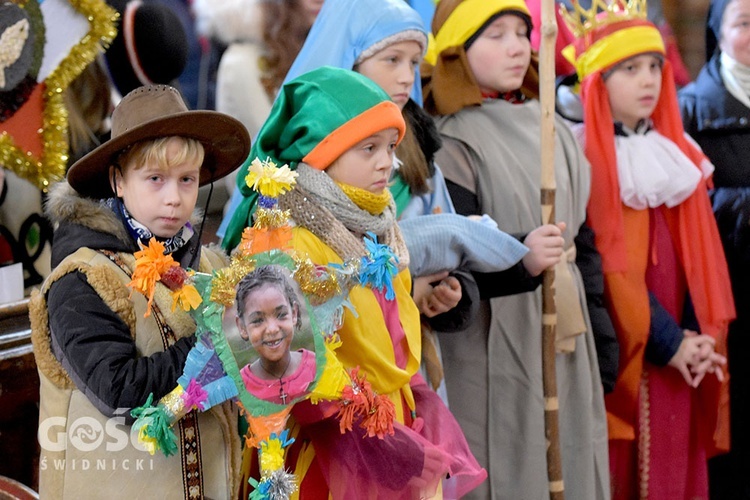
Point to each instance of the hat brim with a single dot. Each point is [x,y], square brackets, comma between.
[225,141]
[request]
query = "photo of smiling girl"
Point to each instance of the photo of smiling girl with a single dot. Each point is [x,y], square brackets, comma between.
[268,316]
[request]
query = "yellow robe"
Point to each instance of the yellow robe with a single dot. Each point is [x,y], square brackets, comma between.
[366,342]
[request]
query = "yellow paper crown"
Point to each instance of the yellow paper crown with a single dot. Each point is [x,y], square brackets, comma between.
[602,12]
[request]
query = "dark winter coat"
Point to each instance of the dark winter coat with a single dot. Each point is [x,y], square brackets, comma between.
[721,126]
[98,357]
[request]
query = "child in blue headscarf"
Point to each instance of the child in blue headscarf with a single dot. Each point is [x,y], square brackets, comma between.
[385,40]
[352,35]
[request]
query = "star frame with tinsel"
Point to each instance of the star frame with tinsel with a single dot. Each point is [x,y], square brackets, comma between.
[46,44]
[212,375]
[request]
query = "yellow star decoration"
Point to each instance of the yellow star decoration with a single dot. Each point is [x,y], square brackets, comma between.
[187,297]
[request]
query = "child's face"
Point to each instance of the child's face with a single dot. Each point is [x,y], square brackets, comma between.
[634,87]
[367,165]
[310,9]
[160,198]
[500,57]
[394,69]
[268,322]
[735,31]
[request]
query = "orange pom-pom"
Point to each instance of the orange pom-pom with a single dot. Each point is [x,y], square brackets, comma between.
[358,400]
[150,265]
[353,404]
[379,420]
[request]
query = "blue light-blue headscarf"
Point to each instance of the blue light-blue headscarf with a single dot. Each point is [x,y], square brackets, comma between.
[426,9]
[346,28]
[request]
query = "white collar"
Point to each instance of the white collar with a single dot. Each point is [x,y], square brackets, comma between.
[653,170]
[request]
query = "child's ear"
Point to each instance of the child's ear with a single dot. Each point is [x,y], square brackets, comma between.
[115,179]
[296,320]
[241,328]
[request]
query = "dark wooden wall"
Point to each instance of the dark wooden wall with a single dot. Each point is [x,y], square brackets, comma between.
[688,21]
[19,397]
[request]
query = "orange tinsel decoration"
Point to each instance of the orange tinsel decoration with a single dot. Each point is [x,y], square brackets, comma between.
[150,264]
[262,239]
[379,420]
[359,400]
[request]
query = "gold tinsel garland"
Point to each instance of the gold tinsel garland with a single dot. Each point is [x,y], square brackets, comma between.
[319,285]
[271,218]
[225,280]
[54,161]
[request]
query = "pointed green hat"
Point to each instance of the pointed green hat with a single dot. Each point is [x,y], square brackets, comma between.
[316,118]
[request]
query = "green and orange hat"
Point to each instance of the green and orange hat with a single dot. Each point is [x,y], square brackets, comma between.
[316,118]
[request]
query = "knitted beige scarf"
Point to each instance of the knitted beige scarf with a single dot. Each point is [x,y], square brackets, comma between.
[319,205]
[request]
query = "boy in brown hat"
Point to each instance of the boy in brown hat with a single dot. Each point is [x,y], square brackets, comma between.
[98,356]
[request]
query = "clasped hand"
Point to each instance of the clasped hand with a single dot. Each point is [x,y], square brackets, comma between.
[696,357]
[436,293]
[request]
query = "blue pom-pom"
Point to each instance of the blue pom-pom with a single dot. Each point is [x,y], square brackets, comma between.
[266,202]
[379,266]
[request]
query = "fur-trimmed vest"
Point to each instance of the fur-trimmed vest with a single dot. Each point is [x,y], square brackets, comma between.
[85,454]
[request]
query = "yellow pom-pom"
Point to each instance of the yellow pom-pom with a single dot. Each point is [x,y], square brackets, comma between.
[270,181]
[147,442]
[222,287]
[272,455]
[271,218]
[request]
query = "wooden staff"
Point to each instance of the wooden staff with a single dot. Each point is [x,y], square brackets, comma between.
[549,310]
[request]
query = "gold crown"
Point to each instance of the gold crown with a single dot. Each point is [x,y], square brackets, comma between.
[602,12]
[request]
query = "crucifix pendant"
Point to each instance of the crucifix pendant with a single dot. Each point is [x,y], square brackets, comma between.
[282,393]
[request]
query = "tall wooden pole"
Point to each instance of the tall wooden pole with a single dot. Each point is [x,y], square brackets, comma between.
[549,310]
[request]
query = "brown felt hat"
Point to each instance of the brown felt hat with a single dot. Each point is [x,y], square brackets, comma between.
[156,111]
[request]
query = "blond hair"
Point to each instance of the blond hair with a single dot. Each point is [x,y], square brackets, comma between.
[155,151]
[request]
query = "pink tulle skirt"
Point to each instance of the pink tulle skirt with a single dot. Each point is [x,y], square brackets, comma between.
[416,462]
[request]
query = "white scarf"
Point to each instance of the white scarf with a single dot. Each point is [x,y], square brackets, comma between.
[736,78]
[653,170]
